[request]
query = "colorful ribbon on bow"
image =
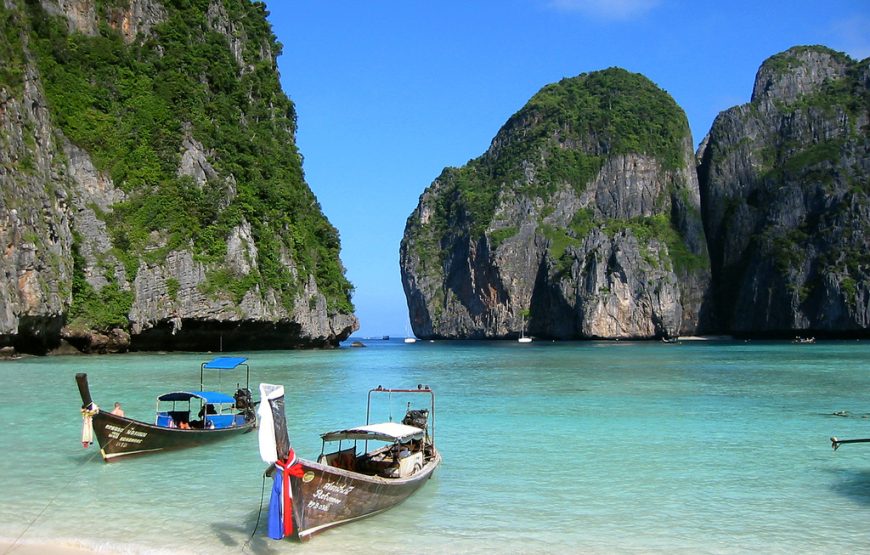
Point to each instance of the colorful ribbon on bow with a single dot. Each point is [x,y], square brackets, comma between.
[88,413]
[288,467]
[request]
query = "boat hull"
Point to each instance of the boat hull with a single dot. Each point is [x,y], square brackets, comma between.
[326,496]
[119,436]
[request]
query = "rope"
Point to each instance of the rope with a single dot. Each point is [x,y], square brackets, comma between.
[86,412]
[14,544]
[259,512]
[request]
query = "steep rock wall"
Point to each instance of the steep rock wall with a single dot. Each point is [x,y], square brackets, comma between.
[784,188]
[184,239]
[35,228]
[582,220]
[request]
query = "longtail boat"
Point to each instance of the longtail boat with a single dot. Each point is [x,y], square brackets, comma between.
[346,483]
[177,422]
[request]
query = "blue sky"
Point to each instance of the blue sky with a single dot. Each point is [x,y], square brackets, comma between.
[389,92]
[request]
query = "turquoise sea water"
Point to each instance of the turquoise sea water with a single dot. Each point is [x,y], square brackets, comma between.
[701,447]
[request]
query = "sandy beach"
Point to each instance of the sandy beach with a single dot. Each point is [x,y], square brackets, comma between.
[9,548]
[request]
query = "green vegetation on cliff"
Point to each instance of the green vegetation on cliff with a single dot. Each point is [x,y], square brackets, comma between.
[829,161]
[622,112]
[843,98]
[799,216]
[101,310]
[561,136]
[130,106]
[11,49]
[788,61]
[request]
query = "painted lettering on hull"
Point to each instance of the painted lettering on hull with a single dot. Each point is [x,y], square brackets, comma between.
[124,437]
[329,494]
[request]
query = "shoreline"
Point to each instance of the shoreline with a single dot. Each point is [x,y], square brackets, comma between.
[46,548]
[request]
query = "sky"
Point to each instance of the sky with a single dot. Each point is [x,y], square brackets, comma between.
[390,92]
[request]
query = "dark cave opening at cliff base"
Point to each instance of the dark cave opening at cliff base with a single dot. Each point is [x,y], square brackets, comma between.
[36,335]
[195,335]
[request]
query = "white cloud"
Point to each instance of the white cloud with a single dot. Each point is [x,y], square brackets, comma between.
[851,36]
[606,9]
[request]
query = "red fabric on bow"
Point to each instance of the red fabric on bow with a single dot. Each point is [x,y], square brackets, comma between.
[289,467]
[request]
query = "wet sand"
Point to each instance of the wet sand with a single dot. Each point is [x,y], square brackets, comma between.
[8,548]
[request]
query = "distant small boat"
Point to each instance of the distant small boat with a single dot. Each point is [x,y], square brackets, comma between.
[386,338]
[523,338]
[350,479]
[220,416]
[409,335]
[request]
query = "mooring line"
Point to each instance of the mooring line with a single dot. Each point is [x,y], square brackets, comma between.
[259,512]
[47,505]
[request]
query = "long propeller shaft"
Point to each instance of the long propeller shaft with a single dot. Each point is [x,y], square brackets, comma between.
[836,443]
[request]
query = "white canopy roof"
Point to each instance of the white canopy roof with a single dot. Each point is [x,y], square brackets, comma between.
[386,431]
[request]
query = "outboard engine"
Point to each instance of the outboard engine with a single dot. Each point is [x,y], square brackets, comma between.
[417,418]
[244,401]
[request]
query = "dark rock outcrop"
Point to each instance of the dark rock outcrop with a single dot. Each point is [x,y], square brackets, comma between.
[582,220]
[187,224]
[784,185]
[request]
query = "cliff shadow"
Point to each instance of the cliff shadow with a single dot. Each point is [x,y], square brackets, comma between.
[198,335]
[550,314]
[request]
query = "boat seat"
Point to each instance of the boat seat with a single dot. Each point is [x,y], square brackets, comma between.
[344,459]
[164,419]
[222,420]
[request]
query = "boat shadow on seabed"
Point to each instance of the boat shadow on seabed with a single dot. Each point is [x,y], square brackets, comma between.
[852,484]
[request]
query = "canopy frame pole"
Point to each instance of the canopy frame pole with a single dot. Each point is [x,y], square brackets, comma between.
[420,389]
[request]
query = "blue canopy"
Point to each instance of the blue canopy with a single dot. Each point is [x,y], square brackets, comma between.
[211,397]
[224,363]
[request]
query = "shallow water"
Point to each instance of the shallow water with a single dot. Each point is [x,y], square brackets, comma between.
[701,447]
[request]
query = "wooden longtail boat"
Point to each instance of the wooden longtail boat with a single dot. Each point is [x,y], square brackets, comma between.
[220,416]
[345,484]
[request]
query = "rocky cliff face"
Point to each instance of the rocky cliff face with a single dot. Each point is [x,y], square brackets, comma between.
[581,220]
[35,229]
[152,194]
[784,189]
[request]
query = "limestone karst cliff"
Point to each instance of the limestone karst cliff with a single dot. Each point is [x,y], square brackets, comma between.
[784,184]
[152,193]
[582,220]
